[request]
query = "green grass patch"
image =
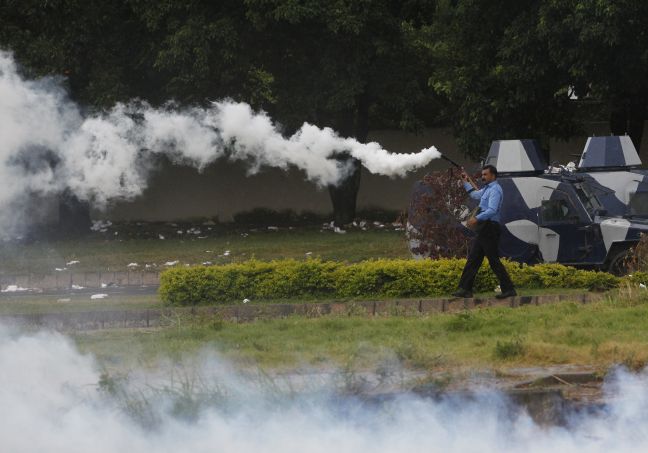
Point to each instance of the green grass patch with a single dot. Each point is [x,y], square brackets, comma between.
[601,334]
[114,253]
[66,303]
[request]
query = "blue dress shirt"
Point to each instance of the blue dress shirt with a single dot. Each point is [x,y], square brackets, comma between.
[490,200]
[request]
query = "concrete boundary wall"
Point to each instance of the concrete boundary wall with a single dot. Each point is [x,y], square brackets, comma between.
[147,318]
[66,280]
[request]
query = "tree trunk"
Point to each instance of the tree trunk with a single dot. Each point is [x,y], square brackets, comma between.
[627,117]
[637,115]
[344,196]
[74,216]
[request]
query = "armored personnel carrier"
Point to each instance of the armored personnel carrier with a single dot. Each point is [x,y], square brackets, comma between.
[587,215]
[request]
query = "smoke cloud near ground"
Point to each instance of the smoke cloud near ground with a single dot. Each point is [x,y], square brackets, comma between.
[52,401]
[49,145]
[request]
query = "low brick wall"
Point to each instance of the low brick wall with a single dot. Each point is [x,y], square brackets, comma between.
[246,313]
[65,280]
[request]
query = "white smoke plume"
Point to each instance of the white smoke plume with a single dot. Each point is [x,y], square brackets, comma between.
[51,401]
[47,145]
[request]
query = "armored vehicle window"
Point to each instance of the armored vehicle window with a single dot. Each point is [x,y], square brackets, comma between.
[558,210]
[587,197]
[638,204]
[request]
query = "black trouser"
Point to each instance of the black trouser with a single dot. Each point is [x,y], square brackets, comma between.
[485,244]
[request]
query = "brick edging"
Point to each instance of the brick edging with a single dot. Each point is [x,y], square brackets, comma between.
[143,318]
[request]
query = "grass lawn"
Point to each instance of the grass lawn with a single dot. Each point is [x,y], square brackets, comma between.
[597,334]
[114,253]
[63,303]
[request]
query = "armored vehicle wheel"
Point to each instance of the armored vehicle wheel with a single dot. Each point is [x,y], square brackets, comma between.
[618,264]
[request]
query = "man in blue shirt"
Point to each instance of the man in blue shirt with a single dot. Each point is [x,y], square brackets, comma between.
[486,223]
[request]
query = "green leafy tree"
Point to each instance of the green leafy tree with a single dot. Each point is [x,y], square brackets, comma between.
[603,46]
[514,69]
[351,65]
[496,73]
[99,47]
[95,45]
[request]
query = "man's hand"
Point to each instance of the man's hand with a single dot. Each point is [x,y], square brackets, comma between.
[472,222]
[468,179]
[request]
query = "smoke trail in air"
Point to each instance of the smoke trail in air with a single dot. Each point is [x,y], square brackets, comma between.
[48,146]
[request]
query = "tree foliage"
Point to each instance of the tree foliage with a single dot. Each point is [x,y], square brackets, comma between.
[495,69]
[513,69]
[490,70]
[346,64]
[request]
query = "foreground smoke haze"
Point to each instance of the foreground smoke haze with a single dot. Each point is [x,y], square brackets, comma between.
[49,146]
[52,401]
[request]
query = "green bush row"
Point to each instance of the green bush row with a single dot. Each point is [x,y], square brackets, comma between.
[376,278]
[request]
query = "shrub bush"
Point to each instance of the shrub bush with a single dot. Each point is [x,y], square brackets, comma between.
[376,278]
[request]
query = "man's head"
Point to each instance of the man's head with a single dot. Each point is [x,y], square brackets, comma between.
[489,173]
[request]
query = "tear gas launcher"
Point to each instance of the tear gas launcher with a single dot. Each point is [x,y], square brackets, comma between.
[454,164]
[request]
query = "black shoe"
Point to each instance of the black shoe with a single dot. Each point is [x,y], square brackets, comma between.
[505,294]
[462,293]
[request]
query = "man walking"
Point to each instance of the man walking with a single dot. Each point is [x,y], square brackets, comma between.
[486,223]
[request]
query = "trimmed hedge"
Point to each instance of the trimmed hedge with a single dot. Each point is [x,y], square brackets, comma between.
[376,278]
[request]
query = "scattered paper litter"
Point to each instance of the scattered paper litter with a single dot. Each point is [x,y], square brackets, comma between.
[245,301]
[72,263]
[98,296]
[308,253]
[100,225]
[641,285]
[171,263]
[161,237]
[132,265]
[339,230]
[104,285]
[273,228]
[77,287]
[207,263]
[60,269]
[226,253]
[14,289]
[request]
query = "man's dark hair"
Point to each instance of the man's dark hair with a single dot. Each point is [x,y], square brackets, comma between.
[490,168]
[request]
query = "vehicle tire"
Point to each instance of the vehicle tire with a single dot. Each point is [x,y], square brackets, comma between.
[618,263]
